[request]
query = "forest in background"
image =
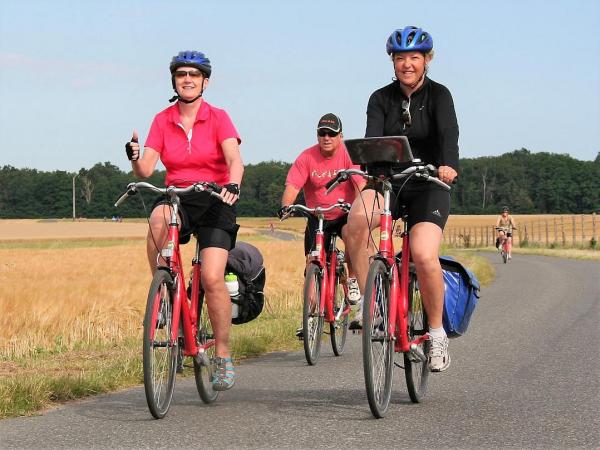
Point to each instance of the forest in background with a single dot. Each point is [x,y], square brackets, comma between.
[529,183]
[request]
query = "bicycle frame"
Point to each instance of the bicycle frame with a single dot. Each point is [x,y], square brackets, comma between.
[327,261]
[399,271]
[184,310]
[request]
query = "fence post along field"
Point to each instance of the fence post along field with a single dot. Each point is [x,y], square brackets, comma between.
[544,231]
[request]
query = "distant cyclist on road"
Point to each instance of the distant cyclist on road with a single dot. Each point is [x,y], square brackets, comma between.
[417,107]
[196,142]
[311,171]
[506,221]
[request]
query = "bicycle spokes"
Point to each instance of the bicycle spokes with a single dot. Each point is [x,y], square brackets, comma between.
[378,345]
[312,319]
[160,354]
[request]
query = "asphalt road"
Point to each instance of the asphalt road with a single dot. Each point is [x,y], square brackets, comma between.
[526,376]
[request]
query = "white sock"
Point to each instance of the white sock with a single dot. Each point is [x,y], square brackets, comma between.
[437,332]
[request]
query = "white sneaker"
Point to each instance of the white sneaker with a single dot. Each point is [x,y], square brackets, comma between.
[356,324]
[438,356]
[353,291]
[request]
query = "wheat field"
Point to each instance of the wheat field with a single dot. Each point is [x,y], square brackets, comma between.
[65,284]
[60,294]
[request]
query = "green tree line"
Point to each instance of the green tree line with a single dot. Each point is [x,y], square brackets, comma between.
[527,182]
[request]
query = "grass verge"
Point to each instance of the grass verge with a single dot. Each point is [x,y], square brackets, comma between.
[34,383]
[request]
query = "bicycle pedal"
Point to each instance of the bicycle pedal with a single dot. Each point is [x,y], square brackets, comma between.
[202,359]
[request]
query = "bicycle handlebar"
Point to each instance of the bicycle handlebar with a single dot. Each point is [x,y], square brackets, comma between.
[132,188]
[505,229]
[318,210]
[426,172]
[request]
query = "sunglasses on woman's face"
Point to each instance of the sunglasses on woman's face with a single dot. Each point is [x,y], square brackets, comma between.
[183,73]
[406,119]
[323,133]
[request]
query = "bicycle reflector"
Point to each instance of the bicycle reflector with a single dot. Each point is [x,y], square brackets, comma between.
[168,251]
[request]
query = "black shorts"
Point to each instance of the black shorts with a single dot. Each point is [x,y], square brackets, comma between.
[329,227]
[423,203]
[208,217]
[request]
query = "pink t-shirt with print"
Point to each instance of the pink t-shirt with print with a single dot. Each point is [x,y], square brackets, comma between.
[197,156]
[311,171]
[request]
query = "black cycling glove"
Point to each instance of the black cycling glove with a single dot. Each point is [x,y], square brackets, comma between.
[234,188]
[129,150]
[282,211]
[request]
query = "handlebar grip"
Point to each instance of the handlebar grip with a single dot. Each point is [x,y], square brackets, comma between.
[124,197]
[216,187]
[339,178]
[332,182]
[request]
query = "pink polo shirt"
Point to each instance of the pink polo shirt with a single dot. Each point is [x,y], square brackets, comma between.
[198,156]
[311,171]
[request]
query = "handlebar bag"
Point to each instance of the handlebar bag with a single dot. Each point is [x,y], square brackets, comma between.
[461,295]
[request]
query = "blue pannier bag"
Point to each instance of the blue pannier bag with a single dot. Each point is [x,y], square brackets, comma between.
[460,298]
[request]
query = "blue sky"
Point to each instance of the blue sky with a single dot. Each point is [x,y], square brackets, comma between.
[76,77]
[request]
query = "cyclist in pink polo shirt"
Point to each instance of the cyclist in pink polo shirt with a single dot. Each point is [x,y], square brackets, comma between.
[196,142]
[311,171]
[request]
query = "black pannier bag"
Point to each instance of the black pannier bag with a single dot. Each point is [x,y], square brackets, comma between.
[246,261]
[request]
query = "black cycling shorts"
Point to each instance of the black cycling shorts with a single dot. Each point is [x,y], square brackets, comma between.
[329,227]
[423,203]
[213,221]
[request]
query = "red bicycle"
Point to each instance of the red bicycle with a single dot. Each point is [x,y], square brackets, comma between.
[504,248]
[394,317]
[173,324]
[325,290]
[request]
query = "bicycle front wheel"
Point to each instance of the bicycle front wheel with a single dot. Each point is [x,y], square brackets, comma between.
[339,328]
[377,343]
[203,367]
[159,354]
[504,256]
[416,371]
[312,320]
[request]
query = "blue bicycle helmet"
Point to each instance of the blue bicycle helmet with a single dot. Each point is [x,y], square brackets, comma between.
[409,39]
[192,59]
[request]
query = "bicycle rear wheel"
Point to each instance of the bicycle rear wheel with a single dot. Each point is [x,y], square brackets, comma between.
[312,320]
[339,328]
[159,355]
[377,344]
[416,371]
[203,367]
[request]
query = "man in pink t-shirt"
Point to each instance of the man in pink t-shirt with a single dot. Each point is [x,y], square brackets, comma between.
[310,172]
